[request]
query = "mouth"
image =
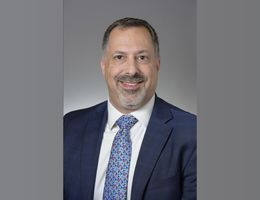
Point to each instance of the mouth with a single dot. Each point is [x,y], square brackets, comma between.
[130,84]
[133,86]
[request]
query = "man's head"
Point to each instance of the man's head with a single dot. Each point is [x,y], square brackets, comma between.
[130,63]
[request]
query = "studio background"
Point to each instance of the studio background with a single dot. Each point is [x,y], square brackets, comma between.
[84,25]
[31,89]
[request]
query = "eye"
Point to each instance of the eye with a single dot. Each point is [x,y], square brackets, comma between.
[118,57]
[143,58]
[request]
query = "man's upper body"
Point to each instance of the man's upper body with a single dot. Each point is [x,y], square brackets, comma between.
[166,165]
[163,161]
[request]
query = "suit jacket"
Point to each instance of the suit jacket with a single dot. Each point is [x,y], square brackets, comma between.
[166,166]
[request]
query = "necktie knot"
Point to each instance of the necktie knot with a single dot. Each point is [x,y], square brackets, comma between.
[126,122]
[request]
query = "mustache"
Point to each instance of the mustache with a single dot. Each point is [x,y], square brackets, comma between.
[136,78]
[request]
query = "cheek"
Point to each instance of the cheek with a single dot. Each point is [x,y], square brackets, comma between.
[151,74]
[111,72]
[152,79]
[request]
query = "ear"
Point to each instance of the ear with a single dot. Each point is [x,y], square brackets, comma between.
[102,65]
[158,64]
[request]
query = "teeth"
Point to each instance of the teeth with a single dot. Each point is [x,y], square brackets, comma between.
[131,83]
[127,83]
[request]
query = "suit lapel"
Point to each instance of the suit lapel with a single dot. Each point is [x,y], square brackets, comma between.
[154,140]
[90,150]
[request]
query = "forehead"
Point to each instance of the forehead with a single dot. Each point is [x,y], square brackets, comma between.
[130,37]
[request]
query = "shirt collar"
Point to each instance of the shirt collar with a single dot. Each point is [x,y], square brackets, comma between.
[143,114]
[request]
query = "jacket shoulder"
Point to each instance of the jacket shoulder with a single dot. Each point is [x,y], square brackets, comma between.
[184,123]
[82,115]
[85,111]
[176,111]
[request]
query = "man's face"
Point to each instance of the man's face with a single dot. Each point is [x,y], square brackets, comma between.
[130,68]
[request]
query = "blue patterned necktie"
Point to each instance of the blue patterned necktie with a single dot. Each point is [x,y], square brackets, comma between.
[118,167]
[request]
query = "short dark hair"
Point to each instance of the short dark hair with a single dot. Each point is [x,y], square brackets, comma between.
[132,22]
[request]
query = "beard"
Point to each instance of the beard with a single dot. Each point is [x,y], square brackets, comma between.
[131,99]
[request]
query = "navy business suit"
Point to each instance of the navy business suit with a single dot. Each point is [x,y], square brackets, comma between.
[166,166]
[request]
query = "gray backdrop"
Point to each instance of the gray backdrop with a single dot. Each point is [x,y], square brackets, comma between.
[31,99]
[84,25]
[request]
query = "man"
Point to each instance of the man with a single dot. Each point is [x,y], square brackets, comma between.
[155,156]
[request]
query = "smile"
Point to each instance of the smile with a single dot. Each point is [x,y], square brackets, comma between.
[130,85]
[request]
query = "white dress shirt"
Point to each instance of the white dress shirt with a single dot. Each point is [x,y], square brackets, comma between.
[136,134]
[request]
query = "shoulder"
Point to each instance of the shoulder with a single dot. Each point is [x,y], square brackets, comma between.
[184,123]
[82,115]
[177,113]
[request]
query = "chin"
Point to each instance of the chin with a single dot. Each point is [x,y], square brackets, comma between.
[132,102]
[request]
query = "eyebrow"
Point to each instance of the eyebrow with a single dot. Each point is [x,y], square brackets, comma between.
[119,52]
[142,51]
[123,52]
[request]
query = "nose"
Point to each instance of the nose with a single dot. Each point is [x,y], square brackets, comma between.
[132,67]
